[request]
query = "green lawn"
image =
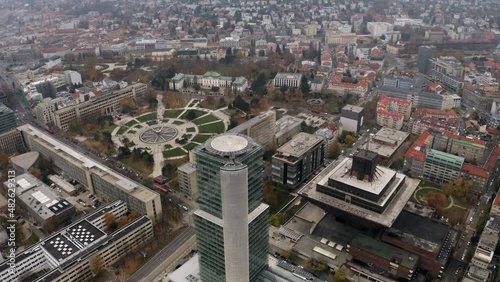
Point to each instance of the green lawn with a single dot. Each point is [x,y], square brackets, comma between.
[217,127]
[131,122]
[190,146]
[138,126]
[421,195]
[174,153]
[152,122]
[172,113]
[132,131]
[191,129]
[201,138]
[205,119]
[167,147]
[197,114]
[147,117]
[122,130]
[177,122]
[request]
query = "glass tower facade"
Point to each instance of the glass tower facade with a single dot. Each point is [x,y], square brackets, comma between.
[232,223]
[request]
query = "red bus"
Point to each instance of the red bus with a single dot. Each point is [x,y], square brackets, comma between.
[160,180]
[163,189]
[49,130]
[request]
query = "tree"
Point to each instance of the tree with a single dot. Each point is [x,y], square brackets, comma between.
[437,200]
[191,115]
[36,172]
[304,85]
[241,104]
[97,265]
[263,105]
[335,150]
[110,221]
[277,219]
[340,275]
[350,140]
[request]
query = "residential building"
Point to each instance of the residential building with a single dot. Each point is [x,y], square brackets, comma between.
[394,260]
[208,80]
[470,149]
[485,249]
[376,29]
[434,120]
[261,129]
[41,203]
[11,142]
[351,118]
[232,222]
[449,72]
[425,55]
[495,206]
[340,38]
[151,44]
[431,240]
[415,156]
[97,178]
[295,161]
[441,167]
[7,118]
[93,107]
[69,254]
[391,112]
[481,98]
[286,128]
[479,177]
[330,134]
[287,79]
[188,184]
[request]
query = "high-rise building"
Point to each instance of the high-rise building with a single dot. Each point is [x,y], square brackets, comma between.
[351,118]
[7,118]
[232,223]
[425,54]
[261,129]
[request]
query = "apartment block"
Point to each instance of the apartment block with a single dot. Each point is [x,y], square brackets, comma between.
[11,142]
[440,121]
[93,107]
[470,149]
[69,254]
[478,175]
[286,128]
[295,161]
[415,156]
[261,129]
[99,179]
[188,183]
[448,71]
[441,167]
[7,118]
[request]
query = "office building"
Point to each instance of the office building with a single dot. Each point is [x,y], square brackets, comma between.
[425,55]
[469,149]
[41,203]
[448,71]
[261,129]
[441,167]
[396,261]
[431,240]
[295,161]
[360,191]
[188,184]
[287,79]
[232,222]
[386,142]
[481,98]
[376,29]
[93,107]
[286,128]
[351,118]
[7,118]
[208,80]
[71,253]
[11,142]
[97,178]
[72,78]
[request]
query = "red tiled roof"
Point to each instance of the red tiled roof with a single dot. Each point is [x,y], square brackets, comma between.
[497,200]
[396,115]
[422,141]
[454,136]
[384,100]
[495,154]
[474,170]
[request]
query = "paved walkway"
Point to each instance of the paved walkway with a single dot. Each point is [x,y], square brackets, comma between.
[450,205]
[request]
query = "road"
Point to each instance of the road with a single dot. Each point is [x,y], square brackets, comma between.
[161,256]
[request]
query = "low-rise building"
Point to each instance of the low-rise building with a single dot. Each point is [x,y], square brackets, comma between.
[478,175]
[70,254]
[386,142]
[208,80]
[188,183]
[295,161]
[470,149]
[449,72]
[351,118]
[41,203]
[495,206]
[287,79]
[434,120]
[415,156]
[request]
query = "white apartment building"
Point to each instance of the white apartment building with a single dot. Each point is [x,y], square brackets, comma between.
[188,184]
[72,77]
[376,29]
